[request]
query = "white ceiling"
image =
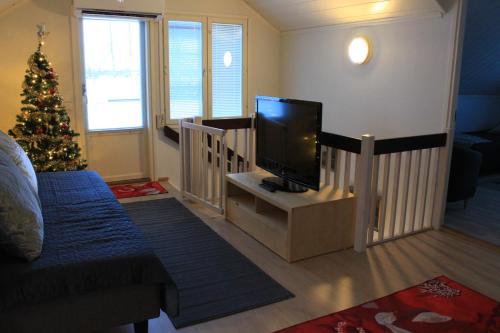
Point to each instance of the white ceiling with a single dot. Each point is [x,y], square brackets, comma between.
[289,15]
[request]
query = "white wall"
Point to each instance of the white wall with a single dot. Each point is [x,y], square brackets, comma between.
[403,91]
[18,38]
[18,41]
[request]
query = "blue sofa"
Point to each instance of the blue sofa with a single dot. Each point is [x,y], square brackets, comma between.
[96,269]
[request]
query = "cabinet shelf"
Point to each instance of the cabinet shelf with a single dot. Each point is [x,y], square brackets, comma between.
[293,225]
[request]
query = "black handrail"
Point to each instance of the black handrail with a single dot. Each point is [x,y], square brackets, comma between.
[340,142]
[228,123]
[385,146]
[171,133]
[353,145]
[398,145]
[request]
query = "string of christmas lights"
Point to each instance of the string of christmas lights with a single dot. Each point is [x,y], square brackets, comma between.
[43,126]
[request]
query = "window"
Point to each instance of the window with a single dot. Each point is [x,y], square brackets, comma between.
[114,73]
[227,70]
[185,47]
[192,48]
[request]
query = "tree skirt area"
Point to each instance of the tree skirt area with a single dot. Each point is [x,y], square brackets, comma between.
[438,305]
[137,190]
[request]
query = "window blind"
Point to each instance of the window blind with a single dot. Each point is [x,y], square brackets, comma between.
[185,47]
[227,70]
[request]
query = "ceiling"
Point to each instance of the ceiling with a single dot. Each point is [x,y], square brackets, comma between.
[4,4]
[287,15]
[481,53]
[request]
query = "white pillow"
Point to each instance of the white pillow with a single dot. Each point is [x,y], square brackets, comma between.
[18,155]
[21,221]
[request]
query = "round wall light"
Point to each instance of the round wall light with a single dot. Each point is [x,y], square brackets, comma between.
[360,50]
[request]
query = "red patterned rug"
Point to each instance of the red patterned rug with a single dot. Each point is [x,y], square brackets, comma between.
[439,305]
[137,190]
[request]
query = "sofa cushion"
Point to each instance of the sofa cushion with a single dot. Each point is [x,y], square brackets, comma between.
[21,222]
[14,150]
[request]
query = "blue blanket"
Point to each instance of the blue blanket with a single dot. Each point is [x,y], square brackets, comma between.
[90,245]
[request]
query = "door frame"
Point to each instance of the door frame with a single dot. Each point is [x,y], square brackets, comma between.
[453,85]
[151,85]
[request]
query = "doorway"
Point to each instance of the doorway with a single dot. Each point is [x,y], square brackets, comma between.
[474,182]
[115,96]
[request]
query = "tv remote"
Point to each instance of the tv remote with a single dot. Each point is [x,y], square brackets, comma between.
[268,187]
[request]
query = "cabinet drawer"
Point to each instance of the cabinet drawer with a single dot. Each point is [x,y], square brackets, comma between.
[270,229]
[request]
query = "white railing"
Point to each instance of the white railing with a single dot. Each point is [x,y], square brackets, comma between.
[393,181]
[402,197]
[395,188]
[208,153]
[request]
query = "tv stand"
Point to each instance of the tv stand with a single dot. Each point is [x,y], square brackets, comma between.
[280,184]
[293,225]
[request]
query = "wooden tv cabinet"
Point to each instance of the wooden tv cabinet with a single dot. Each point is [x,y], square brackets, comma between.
[293,225]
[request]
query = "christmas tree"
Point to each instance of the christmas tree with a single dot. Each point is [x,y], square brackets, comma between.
[43,127]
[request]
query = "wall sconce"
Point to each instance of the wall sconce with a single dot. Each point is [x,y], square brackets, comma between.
[360,51]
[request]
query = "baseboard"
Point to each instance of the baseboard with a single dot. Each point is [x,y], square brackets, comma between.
[126,177]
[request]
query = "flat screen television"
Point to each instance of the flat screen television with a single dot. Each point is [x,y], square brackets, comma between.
[287,143]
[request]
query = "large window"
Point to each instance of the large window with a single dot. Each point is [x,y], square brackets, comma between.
[206,67]
[114,73]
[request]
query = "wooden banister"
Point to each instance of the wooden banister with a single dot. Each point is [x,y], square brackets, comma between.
[419,142]
[171,134]
[346,143]
[229,123]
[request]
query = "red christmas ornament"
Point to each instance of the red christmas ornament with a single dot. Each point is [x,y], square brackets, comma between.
[67,137]
[52,91]
[64,126]
[39,130]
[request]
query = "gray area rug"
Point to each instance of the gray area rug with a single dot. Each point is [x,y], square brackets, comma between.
[213,278]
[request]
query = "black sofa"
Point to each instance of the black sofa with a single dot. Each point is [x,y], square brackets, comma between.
[96,270]
[490,151]
[464,173]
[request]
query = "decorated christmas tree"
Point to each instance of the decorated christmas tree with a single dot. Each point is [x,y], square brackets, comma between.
[43,127]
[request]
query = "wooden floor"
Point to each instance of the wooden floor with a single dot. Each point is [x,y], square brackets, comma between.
[343,279]
[481,219]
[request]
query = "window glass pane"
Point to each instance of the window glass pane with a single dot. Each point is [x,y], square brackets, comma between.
[227,70]
[113,73]
[185,47]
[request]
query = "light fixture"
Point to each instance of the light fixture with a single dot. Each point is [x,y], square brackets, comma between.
[360,50]
[379,6]
[228,59]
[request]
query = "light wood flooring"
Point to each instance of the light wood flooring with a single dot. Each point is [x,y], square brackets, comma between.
[481,218]
[336,281]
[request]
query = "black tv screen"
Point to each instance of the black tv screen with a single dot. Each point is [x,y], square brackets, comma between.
[287,139]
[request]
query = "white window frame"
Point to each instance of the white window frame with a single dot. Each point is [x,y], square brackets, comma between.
[144,74]
[207,61]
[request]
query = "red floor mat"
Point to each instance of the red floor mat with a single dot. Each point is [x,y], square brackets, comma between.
[137,190]
[439,305]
